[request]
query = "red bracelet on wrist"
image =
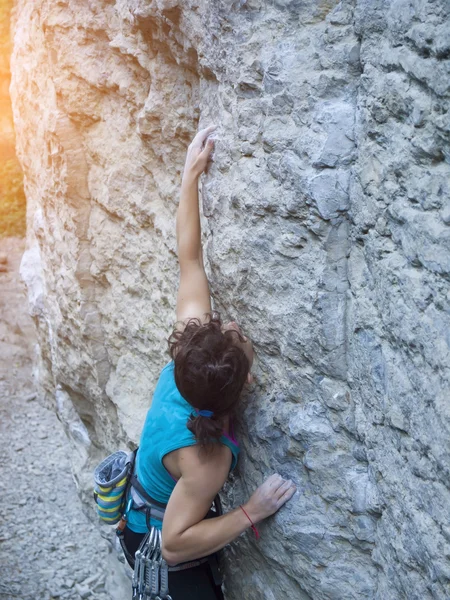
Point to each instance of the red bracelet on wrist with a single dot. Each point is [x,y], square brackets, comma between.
[253,525]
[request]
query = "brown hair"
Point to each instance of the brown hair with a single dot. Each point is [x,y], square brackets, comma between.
[210,372]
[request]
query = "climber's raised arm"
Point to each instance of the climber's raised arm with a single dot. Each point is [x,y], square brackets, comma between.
[193,299]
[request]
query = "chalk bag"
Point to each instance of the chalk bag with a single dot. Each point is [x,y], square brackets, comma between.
[110,484]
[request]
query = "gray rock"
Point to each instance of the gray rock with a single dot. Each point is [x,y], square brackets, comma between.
[325,216]
[83,592]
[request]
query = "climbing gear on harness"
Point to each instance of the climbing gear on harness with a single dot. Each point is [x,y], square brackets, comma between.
[110,485]
[143,502]
[151,572]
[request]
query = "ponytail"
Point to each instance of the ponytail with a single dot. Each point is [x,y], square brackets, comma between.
[205,429]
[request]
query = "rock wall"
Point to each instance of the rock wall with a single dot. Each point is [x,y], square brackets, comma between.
[326,222]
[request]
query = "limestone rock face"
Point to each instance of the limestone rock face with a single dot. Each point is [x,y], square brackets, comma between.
[326,220]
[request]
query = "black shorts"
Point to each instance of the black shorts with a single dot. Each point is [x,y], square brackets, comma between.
[196,583]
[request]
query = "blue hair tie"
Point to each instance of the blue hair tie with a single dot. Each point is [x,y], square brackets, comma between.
[204,413]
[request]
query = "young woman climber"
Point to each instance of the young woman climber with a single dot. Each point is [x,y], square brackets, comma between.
[187,447]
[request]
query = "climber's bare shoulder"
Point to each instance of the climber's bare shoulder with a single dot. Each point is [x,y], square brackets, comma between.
[180,325]
[200,476]
[195,313]
[191,459]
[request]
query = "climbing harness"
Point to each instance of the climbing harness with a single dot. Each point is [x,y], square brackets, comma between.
[117,491]
[138,499]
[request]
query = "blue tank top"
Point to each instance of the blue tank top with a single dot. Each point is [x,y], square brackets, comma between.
[165,429]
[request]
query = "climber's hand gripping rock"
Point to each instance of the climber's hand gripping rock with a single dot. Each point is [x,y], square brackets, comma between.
[269,497]
[199,152]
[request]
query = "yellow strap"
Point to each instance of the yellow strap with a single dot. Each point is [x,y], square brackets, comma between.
[108,489]
[109,510]
[110,498]
[109,518]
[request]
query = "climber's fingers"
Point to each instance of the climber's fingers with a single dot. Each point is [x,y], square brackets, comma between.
[285,486]
[274,481]
[289,490]
[199,152]
[206,152]
[201,136]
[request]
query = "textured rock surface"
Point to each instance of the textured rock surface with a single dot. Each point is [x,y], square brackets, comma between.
[326,217]
[49,549]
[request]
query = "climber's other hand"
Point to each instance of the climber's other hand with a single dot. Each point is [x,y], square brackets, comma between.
[269,497]
[199,152]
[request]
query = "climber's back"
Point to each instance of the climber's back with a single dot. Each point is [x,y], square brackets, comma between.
[165,432]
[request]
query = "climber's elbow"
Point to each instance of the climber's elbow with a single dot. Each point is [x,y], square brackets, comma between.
[175,551]
[169,555]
